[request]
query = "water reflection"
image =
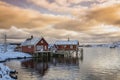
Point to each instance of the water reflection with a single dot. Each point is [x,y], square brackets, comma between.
[94,64]
[42,65]
[81,55]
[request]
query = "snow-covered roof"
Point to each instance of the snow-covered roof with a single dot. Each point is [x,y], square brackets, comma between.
[32,41]
[70,42]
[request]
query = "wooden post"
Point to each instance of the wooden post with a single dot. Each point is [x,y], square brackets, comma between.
[77,52]
[51,54]
[81,57]
[47,56]
[5,43]
[42,54]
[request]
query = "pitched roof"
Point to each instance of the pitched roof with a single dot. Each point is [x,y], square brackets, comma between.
[70,42]
[32,41]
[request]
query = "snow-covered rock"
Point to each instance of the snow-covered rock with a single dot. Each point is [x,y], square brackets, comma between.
[4,72]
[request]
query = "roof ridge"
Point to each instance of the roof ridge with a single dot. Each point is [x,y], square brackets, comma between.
[33,41]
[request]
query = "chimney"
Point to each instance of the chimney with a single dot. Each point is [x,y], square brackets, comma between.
[31,36]
[68,39]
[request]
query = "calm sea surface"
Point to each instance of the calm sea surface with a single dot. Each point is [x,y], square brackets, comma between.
[95,64]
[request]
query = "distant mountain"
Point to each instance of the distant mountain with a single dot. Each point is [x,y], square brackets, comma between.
[110,45]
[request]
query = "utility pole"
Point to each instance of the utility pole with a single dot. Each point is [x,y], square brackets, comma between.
[5,43]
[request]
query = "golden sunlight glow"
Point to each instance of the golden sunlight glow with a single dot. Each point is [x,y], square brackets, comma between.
[68,17]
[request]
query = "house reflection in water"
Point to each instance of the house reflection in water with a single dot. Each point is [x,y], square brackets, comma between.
[42,65]
[65,61]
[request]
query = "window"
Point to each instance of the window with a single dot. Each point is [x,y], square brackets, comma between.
[42,41]
[71,46]
[29,46]
[65,46]
[45,47]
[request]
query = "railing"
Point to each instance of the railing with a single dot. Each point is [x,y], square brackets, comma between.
[42,51]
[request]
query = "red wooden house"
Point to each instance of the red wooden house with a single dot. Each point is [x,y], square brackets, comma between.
[33,45]
[67,45]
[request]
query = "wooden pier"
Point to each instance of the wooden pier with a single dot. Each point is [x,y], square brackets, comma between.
[42,53]
[65,53]
[70,53]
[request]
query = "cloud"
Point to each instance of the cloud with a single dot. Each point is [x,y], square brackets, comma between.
[76,19]
[107,15]
[98,22]
[13,33]
[84,19]
[60,7]
[25,18]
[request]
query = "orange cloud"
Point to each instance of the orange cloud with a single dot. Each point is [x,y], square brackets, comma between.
[82,23]
[107,15]
[26,18]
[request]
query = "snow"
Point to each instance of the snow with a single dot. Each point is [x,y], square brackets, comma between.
[7,55]
[109,45]
[70,42]
[10,53]
[32,41]
[4,70]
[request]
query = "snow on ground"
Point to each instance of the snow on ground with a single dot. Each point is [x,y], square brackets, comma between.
[11,54]
[4,70]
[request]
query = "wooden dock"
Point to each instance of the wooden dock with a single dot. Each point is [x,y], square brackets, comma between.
[42,53]
[65,53]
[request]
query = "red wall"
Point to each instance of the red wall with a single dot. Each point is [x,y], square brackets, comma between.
[28,50]
[31,50]
[66,47]
[43,44]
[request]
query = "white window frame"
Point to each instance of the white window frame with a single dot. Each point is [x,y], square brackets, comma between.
[29,46]
[65,46]
[71,46]
[42,41]
[45,47]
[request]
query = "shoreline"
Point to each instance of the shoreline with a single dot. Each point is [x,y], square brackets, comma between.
[1,61]
[5,70]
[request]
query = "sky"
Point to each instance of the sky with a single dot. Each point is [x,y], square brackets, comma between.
[89,21]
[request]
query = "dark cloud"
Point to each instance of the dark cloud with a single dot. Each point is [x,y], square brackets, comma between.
[85,3]
[50,1]
[26,4]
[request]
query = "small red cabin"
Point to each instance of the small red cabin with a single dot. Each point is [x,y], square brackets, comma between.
[67,45]
[33,45]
